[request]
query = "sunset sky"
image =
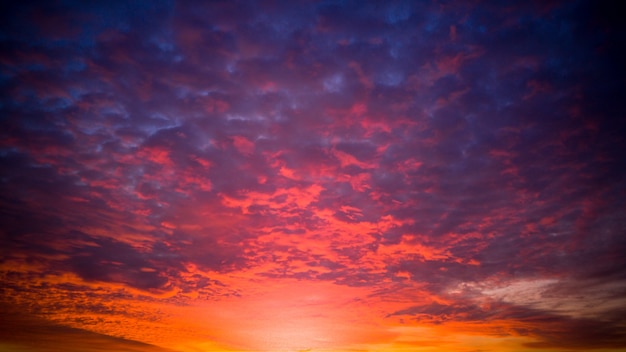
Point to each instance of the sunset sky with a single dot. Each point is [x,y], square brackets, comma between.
[191,176]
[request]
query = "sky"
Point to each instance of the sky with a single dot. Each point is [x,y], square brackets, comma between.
[187,176]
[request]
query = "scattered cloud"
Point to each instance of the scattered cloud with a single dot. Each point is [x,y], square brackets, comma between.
[318,175]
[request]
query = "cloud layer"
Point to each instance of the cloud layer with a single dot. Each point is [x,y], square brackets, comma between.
[191,175]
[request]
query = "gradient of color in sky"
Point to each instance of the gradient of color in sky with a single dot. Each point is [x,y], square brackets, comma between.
[313,175]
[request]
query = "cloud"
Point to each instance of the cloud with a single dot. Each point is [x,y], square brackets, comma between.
[165,154]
